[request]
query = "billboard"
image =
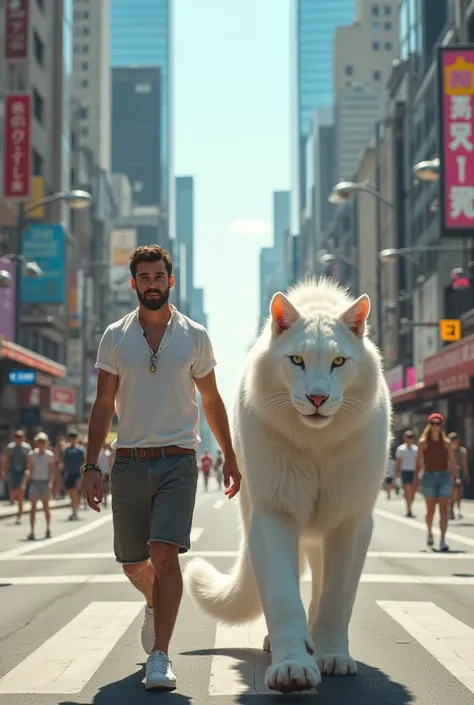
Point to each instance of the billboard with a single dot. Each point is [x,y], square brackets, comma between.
[45,244]
[122,242]
[16,30]
[7,301]
[456,139]
[17,145]
[63,399]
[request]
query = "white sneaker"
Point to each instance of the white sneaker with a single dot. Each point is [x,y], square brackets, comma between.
[443,546]
[159,674]
[148,630]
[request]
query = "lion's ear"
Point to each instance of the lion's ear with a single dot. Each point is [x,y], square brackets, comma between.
[283,313]
[355,317]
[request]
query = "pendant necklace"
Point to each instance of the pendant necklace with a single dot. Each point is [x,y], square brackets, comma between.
[153,354]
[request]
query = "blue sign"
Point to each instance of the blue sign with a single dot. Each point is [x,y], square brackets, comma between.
[22,377]
[45,244]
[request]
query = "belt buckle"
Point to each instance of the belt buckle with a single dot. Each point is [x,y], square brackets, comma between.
[139,453]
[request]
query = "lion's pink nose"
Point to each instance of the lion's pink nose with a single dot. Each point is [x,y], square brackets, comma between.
[316,399]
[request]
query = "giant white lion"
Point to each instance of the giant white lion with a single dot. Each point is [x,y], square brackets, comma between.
[312,429]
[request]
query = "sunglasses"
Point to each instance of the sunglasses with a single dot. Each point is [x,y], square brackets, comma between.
[435,423]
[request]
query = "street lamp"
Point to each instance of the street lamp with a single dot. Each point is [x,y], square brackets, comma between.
[344,190]
[327,258]
[76,200]
[428,170]
[391,255]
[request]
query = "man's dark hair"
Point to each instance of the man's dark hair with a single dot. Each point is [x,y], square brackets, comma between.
[150,253]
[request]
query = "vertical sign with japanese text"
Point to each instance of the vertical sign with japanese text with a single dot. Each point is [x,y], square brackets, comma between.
[17,145]
[456,102]
[16,30]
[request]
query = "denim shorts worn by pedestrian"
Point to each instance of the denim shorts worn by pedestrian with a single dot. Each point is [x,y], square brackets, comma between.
[152,501]
[437,484]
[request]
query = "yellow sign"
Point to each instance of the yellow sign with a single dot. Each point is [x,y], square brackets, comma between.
[449,330]
[459,78]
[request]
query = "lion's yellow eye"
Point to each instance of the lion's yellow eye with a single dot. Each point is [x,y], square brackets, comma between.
[338,361]
[297,360]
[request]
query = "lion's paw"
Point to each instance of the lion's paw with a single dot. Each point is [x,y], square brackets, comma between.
[293,676]
[267,644]
[336,664]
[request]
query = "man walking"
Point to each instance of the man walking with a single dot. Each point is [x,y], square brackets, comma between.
[73,459]
[14,464]
[405,467]
[149,363]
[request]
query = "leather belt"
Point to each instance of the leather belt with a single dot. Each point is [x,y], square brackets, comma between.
[157,452]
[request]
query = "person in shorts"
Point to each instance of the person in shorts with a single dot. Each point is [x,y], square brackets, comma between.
[14,464]
[40,474]
[73,458]
[405,462]
[463,478]
[150,363]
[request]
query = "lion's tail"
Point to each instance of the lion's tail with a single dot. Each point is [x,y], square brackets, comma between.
[231,598]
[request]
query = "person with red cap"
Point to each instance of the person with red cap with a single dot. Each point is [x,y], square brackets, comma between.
[435,455]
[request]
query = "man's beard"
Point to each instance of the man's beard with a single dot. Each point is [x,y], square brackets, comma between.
[154,304]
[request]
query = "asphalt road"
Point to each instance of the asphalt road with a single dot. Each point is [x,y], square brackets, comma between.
[70,622]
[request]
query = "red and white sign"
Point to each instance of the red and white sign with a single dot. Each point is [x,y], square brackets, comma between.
[454,384]
[17,146]
[456,66]
[63,400]
[16,29]
[455,360]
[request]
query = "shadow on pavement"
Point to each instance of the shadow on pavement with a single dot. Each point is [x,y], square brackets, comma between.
[369,687]
[131,691]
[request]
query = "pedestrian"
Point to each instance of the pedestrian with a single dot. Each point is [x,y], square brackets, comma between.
[462,478]
[74,456]
[14,464]
[40,474]
[405,468]
[206,467]
[149,364]
[389,475]
[218,468]
[435,455]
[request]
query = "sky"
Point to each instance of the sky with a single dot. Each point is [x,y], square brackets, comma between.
[232,133]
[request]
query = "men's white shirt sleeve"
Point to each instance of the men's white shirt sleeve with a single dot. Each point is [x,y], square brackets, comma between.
[399,452]
[204,361]
[106,355]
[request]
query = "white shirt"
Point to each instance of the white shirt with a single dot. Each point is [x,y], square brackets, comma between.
[156,409]
[41,462]
[407,455]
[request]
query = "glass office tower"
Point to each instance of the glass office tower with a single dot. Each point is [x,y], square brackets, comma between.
[141,35]
[313,26]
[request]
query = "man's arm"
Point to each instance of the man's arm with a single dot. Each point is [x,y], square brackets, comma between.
[215,413]
[6,456]
[101,415]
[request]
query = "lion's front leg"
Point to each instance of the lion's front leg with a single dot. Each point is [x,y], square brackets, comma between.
[273,546]
[345,550]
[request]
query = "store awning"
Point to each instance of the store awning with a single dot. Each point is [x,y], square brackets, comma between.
[23,356]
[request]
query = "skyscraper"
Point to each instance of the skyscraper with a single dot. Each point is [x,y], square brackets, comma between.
[142,36]
[313,27]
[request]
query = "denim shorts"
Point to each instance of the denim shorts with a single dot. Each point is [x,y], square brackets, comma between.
[437,484]
[152,500]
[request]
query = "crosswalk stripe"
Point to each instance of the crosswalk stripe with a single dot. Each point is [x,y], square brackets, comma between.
[65,662]
[196,533]
[421,526]
[242,669]
[372,578]
[449,640]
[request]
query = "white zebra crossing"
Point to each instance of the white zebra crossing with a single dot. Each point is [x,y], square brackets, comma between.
[66,662]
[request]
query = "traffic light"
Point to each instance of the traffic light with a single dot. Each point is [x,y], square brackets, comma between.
[449,330]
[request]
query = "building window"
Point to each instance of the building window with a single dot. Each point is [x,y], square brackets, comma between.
[375,25]
[375,46]
[377,75]
[85,31]
[375,10]
[85,48]
[84,112]
[38,106]
[85,66]
[387,26]
[84,131]
[37,163]
[349,70]
[388,46]
[142,88]
[84,83]
[387,10]
[40,4]
[38,48]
